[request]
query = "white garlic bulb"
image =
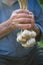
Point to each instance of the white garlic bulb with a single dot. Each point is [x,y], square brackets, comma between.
[26,38]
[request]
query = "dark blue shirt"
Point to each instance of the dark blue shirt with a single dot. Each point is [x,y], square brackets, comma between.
[8,45]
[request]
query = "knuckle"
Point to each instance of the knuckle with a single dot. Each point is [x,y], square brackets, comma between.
[13,15]
[27,11]
[32,16]
[18,11]
[30,13]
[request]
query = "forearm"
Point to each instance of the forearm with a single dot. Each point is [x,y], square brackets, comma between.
[5,28]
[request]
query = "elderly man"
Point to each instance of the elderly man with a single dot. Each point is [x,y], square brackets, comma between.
[11,17]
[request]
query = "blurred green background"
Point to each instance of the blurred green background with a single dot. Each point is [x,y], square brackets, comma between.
[41,3]
[41,42]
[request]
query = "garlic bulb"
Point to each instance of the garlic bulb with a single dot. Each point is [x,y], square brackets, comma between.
[26,38]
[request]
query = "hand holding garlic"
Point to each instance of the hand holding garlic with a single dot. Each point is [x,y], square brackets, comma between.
[26,37]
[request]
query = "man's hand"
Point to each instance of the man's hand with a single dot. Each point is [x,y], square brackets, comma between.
[23,19]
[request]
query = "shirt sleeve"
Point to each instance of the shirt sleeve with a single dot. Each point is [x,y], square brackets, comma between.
[38,16]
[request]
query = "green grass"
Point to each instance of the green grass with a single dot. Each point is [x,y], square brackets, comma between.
[41,42]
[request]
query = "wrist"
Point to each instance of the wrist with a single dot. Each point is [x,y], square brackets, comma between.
[12,24]
[8,25]
[36,29]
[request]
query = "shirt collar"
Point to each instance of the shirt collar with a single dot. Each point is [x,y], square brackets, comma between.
[14,1]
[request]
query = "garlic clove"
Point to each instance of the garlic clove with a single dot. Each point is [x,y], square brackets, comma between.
[26,33]
[20,39]
[31,42]
[25,45]
[33,34]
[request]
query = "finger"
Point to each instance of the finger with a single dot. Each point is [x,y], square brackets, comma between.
[32,21]
[23,15]
[22,11]
[30,13]
[13,16]
[24,26]
[22,20]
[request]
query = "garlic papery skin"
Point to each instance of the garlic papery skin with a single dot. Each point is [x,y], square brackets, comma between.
[33,34]
[31,42]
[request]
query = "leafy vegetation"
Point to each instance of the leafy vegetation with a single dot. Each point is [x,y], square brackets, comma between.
[41,42]
[41,1]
